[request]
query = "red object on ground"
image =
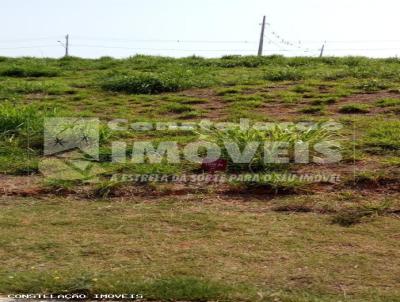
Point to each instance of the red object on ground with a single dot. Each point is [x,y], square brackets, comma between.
[215,166]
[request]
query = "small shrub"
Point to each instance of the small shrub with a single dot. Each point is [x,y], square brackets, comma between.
[354,108]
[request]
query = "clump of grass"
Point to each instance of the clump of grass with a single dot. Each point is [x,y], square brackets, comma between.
[354,108]
[15,119]
[302,89]
[394,161]
[248,99]
[312,110]
[388,103]
[284,74]
[31,71]
[27,87]
[17,160]
[153,83]
[372,86]
[177,108]
[383,137]
[349,217]
[232,61]
[61,186]
[324,101]
[107,189]
[140,84]
[193,101]
[227,91]
[244,138]
[191,114]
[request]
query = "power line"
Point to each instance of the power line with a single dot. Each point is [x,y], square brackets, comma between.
[165,41]
[193,50]
[21,40]
[27,47]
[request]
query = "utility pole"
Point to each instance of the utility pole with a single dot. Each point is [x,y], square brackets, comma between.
[67,45]
[261,45]
[322,51]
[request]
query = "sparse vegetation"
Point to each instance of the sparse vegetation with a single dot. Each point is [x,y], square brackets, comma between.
[388,103]
[354,108]
[220,229]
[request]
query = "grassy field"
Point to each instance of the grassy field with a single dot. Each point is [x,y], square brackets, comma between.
[277,240]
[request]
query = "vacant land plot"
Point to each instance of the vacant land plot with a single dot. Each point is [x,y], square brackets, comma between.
[281,239]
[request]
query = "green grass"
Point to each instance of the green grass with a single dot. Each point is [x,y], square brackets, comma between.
[253,141]
[15,119]
[354,108]
[176,108]
[284,74]
[271,240]
[313,110]
[324,101]
[31,71]
[388,103]
[383,137]
[140,84]
[162,250]
[372,85]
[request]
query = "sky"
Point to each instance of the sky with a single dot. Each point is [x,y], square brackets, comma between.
[208,28]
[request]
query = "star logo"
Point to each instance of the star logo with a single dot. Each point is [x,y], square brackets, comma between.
[71,149]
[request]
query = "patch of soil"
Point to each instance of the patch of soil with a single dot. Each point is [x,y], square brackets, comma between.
[364,99]
[348,175]
[214,107]
[280,111]
[285,112]
[21,185]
